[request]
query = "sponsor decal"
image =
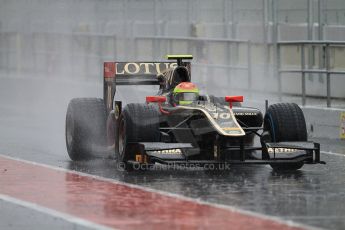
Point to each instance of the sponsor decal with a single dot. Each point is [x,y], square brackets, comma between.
[221,115]
[281,150]
[168,151]
[150,68]
[342,125]
[245,114]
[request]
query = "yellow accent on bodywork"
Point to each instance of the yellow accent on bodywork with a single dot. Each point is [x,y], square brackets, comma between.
[139,158]
[342,125]
[215,125]
[231,128]
[185,102]
[179,56]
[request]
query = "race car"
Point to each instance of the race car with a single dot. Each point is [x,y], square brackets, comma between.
[177,125]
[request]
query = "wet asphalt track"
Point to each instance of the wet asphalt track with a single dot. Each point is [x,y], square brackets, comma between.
[32,128]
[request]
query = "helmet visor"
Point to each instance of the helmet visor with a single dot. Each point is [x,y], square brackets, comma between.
[186,97]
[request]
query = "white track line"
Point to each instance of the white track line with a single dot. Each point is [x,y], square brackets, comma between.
[51,212]
[323,108]
[333,154]
[225,207]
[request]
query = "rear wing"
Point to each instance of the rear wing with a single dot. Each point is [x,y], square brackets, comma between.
[131,73]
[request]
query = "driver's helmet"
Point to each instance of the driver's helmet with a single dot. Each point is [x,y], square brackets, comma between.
[185,93]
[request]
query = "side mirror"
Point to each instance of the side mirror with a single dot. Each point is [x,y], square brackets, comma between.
[232,99]
[155,99]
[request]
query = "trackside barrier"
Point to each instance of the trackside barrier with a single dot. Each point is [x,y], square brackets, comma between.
[84,53]
[203,48]
[50,53]
[9,40]
[325,68]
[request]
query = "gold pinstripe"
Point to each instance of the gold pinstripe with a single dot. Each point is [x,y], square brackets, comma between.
[215,125]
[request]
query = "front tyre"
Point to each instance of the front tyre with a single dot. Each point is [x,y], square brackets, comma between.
[137,123]
[285,122]
[85,128]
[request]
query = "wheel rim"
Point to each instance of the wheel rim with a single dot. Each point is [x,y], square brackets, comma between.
[269,127]
[69,131]
[122,138]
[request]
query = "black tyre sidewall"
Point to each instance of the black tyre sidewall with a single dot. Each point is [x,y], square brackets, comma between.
[121,137]
[285,122]
[70,135]
[140,124]
[85,129]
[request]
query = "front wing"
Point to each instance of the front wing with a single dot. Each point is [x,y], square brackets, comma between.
[278,153]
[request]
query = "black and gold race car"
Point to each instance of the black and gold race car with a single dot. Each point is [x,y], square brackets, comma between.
[208,130]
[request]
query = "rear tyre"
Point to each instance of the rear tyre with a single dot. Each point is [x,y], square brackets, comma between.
[137,123]
[110,127]
[285,122]
[85,128]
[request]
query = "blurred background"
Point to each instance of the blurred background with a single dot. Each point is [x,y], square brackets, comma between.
[282,50]
[285,48]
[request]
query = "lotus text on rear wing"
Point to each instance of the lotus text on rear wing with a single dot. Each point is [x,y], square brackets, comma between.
[131,68]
